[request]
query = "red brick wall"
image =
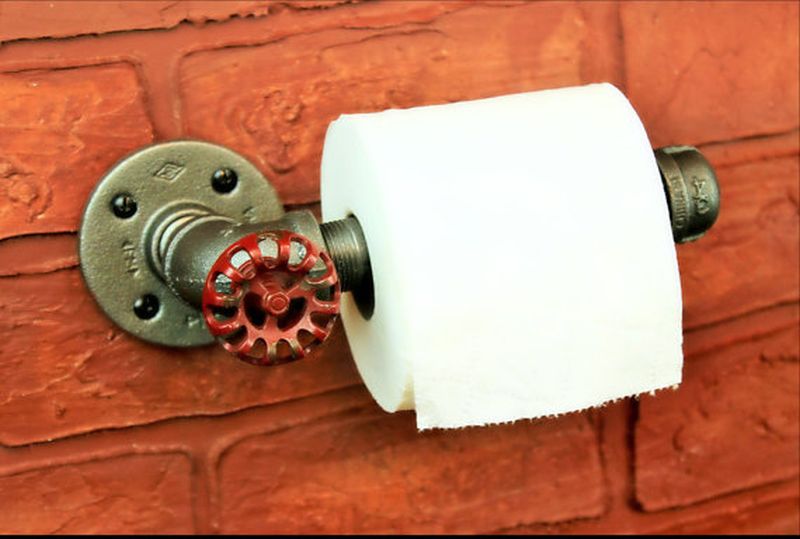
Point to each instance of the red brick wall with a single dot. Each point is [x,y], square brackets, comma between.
[100,432]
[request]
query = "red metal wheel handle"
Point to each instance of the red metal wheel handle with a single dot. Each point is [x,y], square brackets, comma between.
[271,297]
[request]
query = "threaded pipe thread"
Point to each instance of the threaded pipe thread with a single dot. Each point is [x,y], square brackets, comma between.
[347,246]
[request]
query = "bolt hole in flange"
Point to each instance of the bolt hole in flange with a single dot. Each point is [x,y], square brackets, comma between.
[124,206]
[146,307]
[224,180]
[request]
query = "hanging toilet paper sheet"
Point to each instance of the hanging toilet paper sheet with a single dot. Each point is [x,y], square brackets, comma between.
[521,252]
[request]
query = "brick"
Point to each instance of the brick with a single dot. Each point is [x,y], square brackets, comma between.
[726,154]
[711,71]
[768,508]
[60,131]
[273,102]
[740,329]
[776,518]
[67,369]
[364,471]
[31,20]
[733,424]
[747,261]
[54,252]
[130,494]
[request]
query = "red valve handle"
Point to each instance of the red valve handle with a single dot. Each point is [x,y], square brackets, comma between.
[271,297]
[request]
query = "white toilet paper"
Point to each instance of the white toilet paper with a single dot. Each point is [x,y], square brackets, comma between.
[521,251]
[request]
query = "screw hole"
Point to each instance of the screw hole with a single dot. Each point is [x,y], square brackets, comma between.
[224,180]
[146,307]
[124,206]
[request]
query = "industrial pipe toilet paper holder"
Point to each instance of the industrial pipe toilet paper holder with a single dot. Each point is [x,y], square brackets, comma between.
[185,241]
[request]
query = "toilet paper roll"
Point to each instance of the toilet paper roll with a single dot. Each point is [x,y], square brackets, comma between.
[521,252]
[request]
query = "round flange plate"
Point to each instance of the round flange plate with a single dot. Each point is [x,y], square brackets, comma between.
[112,246]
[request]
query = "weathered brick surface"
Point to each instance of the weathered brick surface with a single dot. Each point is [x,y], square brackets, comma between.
[65,368]
[776,518]
[733,424]
[60,131]
[709,71]
[30,20]
[737,152]
[748,260]
[273,102]
[56,251]
[367,472]
[82,84]
[130,494]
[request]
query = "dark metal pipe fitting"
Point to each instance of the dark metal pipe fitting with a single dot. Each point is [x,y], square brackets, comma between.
[347,246]
[692,191]
[159,221]
[184,257]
